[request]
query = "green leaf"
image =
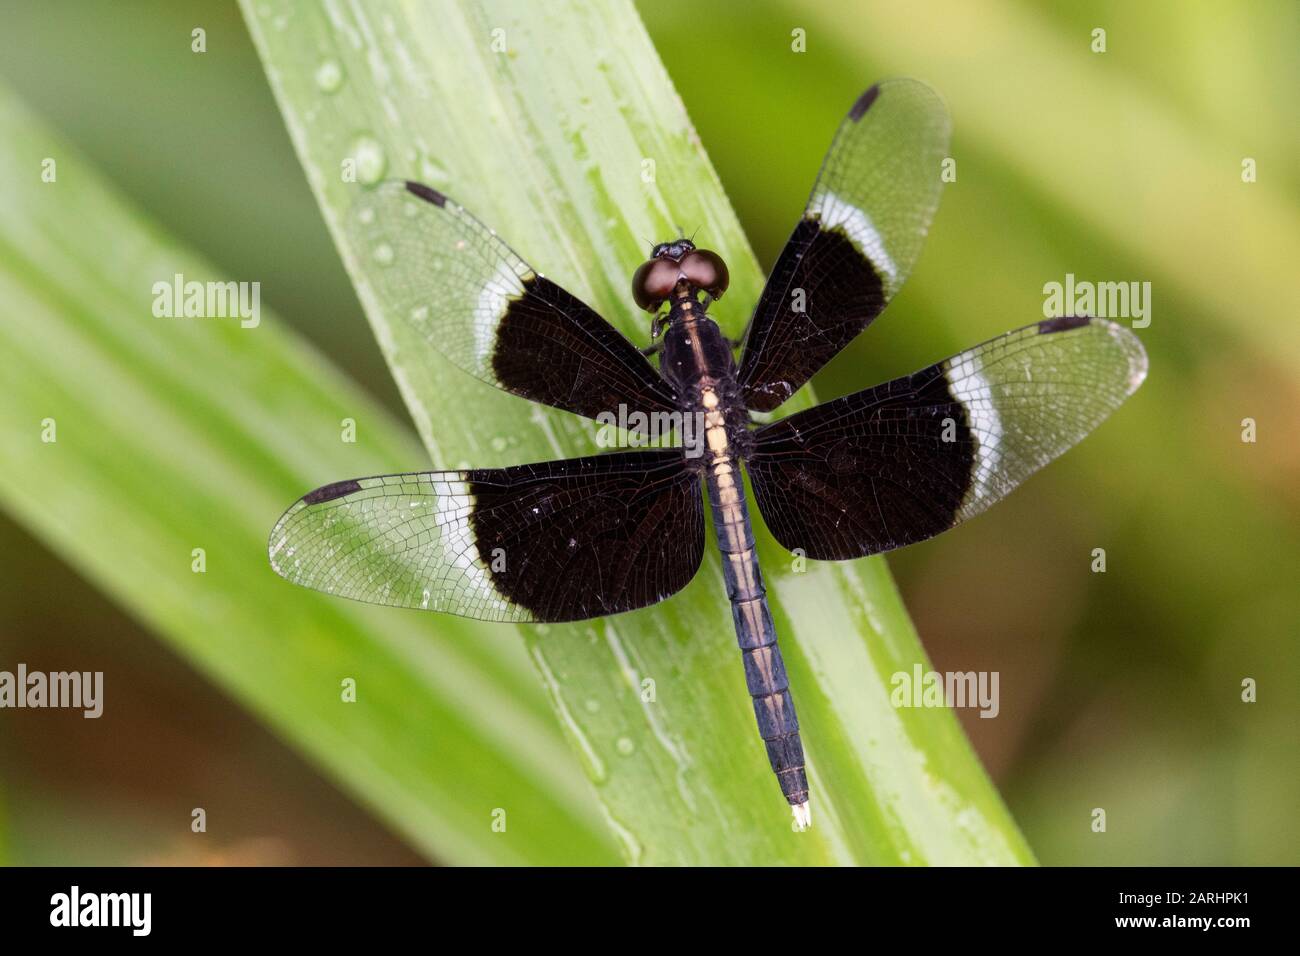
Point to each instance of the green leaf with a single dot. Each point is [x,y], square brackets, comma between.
[180,433]
[557,125]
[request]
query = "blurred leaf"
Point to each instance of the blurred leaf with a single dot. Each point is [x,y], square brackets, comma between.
[175,434]
[4,832]
[1150,177]
[549,141]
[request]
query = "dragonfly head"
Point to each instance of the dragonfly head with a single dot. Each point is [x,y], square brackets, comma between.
[674,262]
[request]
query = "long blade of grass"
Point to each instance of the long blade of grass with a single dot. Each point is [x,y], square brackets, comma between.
[175,434]
[557,125]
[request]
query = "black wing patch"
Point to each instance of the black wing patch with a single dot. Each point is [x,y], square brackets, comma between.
[906,460]
[557,541]
[860,235]
[434,266]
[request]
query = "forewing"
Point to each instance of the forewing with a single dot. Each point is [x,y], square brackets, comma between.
[906,460]
[556,541]
[859,237]
[437,268]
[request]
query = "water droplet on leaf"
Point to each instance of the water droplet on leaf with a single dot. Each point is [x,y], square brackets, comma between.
[329,76]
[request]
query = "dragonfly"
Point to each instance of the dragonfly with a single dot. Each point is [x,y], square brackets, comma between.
[588,537]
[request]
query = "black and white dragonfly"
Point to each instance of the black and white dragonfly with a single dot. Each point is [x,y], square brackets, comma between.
[587,537]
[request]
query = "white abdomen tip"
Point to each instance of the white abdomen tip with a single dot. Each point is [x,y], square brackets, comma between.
[802,816]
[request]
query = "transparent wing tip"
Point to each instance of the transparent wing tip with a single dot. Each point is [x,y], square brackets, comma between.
[1137,355]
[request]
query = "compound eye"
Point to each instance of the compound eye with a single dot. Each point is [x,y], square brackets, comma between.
[653,283]
[706,271]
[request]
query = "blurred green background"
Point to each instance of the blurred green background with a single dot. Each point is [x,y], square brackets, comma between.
[1119,690]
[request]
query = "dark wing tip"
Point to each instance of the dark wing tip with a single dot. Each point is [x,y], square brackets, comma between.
[329,492]
[426,193]
[864,102]
[1062,324]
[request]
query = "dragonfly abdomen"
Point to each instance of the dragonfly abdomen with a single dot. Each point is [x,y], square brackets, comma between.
[698,362]
[765,674]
